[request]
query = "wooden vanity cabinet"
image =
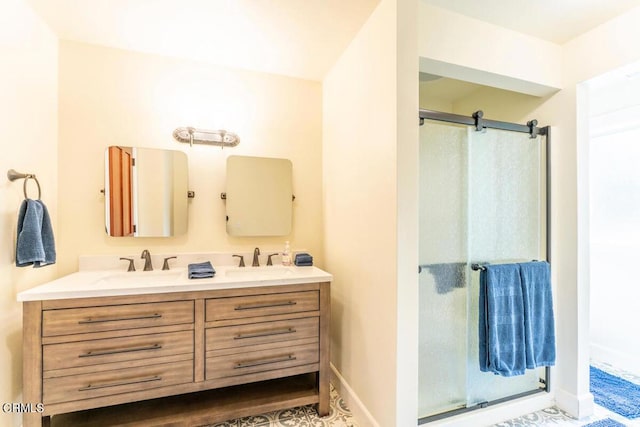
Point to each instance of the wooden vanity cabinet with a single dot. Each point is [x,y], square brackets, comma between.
[180,359]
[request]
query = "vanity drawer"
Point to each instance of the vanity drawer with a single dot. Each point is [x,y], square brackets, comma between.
[115,317]
[260,333]
[123,380]
[261,305]
[112,350]
[245,363]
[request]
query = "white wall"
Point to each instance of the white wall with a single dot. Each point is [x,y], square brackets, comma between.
[407,144]
[369,131]
[456,46]
[614,152]
[28,125]
[614,44]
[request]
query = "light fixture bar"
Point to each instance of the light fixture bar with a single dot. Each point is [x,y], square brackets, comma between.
[220,138]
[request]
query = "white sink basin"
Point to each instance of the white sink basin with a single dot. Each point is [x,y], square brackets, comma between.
[140,278]
[259,272]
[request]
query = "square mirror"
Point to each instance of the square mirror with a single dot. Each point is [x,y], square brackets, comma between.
[259,196]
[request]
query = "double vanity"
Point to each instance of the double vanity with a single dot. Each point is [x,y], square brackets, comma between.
[108,347]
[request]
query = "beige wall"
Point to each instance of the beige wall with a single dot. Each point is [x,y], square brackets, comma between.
[363,190]
[28,125]
[499,104]
[496,104]
[369,97]
[117,97]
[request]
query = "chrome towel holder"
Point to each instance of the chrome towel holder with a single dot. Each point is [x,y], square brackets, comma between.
[13,175]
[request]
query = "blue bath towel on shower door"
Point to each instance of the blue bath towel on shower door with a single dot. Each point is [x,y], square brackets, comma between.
[501,321]
[538,314]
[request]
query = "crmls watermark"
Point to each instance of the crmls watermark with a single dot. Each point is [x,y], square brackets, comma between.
[22,408]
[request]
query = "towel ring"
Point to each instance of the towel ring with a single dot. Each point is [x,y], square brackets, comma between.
[24,186]
[13,175]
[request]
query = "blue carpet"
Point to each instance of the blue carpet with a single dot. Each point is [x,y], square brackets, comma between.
[607,422]
[615,394]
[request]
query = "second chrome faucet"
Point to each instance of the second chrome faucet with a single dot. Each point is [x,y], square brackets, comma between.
[147,260]
[256,262]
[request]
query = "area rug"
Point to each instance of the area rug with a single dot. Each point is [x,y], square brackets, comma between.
[607,422]
[616,394]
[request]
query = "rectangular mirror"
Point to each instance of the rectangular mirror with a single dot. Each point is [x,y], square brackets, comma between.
[259,196]
[145,192]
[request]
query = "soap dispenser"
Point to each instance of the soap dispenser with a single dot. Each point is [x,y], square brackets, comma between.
[286,255]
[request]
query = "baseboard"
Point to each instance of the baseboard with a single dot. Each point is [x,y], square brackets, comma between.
[621,360]
[578,407]
[359,411]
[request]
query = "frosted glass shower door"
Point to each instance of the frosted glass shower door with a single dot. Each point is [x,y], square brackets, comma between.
[443,251]
[482,200]
[507,224]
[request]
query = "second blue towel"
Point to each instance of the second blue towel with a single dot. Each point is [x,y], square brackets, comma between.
[516,323]
[303,259]
[540,339]
[202,270]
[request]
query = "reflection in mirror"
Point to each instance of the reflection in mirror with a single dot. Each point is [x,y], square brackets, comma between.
[259,196]
[145,192]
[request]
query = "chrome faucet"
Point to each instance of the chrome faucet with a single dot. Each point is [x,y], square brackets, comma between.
[256,262]
[147,260]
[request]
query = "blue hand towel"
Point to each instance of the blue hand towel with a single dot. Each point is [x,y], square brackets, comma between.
[538,314]
[35,244]
[303,259]
[448,276]
[201,270]
[501,321]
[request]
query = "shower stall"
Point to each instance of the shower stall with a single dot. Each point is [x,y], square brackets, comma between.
[483,199]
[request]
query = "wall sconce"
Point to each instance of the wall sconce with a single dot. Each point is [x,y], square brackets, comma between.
[220,138]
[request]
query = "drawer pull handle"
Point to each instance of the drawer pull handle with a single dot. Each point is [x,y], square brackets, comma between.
[120,319]
[120,383]
[287,358]
[263,305]
[265,334]
[125,350]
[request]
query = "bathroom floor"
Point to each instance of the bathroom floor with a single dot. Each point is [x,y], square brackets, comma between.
[557,418]
[303,416]
[340,416]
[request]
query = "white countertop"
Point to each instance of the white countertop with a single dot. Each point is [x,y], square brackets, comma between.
[106,283]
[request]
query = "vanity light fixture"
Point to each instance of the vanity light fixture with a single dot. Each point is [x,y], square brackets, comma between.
[191,136]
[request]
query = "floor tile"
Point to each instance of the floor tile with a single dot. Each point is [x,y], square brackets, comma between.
[341,416]
[558,418]
[302,416]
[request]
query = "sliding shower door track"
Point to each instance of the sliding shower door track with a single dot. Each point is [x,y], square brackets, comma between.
[543,389]
[480,405]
